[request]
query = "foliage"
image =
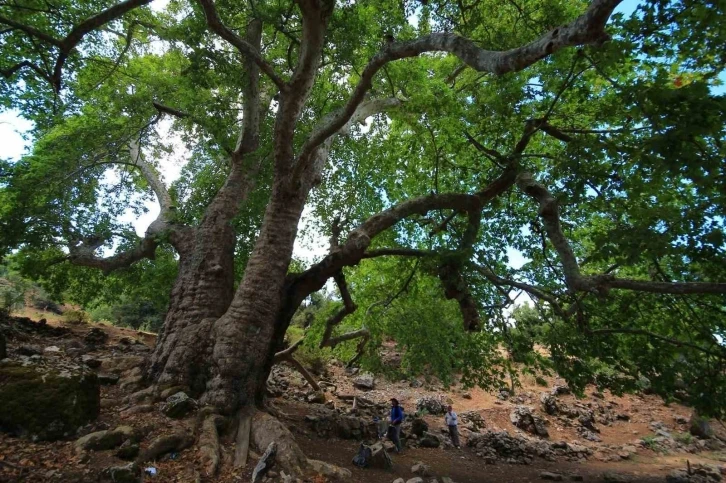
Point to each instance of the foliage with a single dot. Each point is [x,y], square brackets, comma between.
[628,139]
[12,292]
[76,317]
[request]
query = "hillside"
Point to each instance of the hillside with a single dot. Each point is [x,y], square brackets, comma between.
[600,437]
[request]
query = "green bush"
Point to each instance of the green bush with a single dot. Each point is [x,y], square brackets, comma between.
[76,317]
[12,292]
[139,315]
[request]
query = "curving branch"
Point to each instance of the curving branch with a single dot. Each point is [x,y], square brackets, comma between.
[66,45]
[243,46]
[601,283]
[530,289]
[348,308]
[84,253]
[318,155]
[588,28]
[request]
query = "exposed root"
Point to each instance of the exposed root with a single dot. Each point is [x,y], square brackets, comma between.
[242,438]
[266,429]
[166,444]
[209,452]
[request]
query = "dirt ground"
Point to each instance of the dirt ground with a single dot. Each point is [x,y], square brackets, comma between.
[21,460]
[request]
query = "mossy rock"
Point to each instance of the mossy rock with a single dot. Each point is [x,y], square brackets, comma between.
[43,403]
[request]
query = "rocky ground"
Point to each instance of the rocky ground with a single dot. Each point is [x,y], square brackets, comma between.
[73,408]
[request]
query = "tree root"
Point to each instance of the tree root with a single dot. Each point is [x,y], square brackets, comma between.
[209,451]
[242,438]
[267,429]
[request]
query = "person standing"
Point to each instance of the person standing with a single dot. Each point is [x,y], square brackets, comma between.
[452,422]
[394,430]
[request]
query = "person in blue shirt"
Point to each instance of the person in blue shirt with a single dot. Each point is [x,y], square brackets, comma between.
[394,431]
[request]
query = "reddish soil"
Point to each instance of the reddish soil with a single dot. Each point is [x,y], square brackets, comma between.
[21,460]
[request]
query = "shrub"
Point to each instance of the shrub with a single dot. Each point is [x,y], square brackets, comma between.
[41,303]
[76,317]
[12,292]
[141,314]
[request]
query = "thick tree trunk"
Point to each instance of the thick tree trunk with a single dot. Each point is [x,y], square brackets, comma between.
[201,294]
[247,336]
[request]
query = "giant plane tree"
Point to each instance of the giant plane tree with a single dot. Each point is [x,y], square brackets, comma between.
[429,139]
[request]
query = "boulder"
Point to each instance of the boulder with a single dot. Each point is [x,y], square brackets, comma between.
[416,479]
[45,403]
[91,361]
[421,469]
[697,474]
[129,473]
[429,440]
[559,389]
[28,350]
[419,427]
[700,427]
[612,477]
[522,418]
[95,337]
[380,458]
[546,475]
[365,381]
[178,405]
[265,464]
[432,404]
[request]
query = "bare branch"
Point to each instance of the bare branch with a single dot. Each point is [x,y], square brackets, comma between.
[530,289]
[244,47]
[287,356]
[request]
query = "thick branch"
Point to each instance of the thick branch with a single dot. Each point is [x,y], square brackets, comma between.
[84,253]
[74,37]
[348,308]
[317,155]
[245,48]
[549,213]
[152,177]
[588,28]
[85,256]
[249,137]
[32,32]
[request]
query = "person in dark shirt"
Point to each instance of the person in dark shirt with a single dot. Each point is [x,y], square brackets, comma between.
[394,431]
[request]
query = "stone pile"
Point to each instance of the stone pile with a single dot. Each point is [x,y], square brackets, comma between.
[432,404]
[329,423]
[523,418]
